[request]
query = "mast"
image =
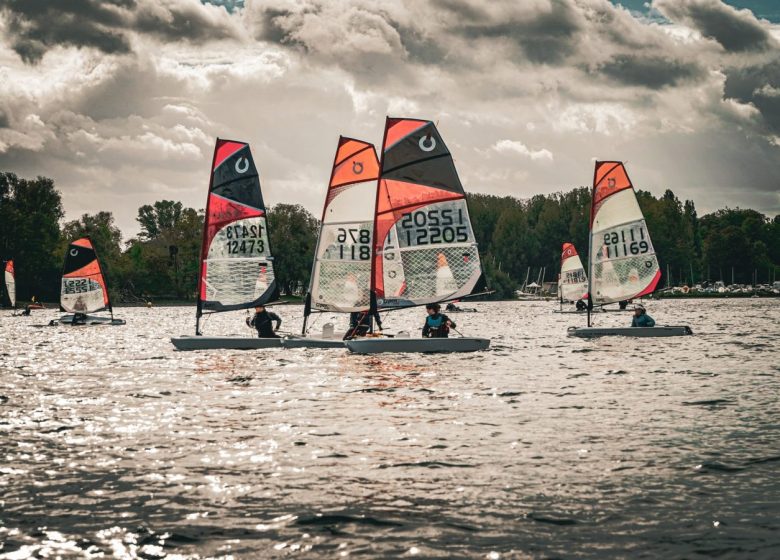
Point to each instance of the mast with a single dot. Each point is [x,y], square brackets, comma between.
[203,239]
[590,241]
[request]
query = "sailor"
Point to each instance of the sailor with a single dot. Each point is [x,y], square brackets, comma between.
[361,323]
[581,305]
[27,310]
[641,318]
[262,322]
[437,324]
[452,307]
[79,319]
[622,304]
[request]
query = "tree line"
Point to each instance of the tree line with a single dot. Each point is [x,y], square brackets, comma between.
[161,262]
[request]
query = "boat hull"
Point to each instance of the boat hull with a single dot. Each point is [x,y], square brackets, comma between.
[380,344]
[224,343]
[640,332]
[311,342]
[91,320]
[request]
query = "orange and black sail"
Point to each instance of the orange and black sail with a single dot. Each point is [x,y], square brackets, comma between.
[236,268]
[84,288]
[424,245]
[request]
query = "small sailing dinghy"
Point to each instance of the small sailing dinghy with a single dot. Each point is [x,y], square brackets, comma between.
[341,273]
[8,289]
[621,261]
[423,246]
[573,282]
[84,289]
[236,266]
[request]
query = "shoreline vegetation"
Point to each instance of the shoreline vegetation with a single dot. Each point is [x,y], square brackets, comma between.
[516,237]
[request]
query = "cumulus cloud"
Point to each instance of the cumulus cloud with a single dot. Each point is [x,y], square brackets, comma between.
[735,30]
[515,146]
[120,101]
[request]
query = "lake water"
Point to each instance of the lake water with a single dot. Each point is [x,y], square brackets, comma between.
[114,444]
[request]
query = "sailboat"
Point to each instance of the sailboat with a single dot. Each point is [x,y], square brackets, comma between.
[621,261]
[8,293]
[236,266]
[423,246]
[84,289]
[341,273]
[572,282]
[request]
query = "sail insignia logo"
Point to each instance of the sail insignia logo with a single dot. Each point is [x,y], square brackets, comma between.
[74,252]
[242,167]
[429,146]
[357,167]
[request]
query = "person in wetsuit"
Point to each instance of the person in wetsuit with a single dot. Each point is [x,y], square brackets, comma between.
[581,305]
[437,324]
[641,318]
[361,323]
[452,307]
[262,320]
[623,304]
[27,310]
[79,319]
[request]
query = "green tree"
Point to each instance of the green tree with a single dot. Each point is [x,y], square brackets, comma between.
[293,233]
[30,210]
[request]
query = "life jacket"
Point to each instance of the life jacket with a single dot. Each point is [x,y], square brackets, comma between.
[437,323]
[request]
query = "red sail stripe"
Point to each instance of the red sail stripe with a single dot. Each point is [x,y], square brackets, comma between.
[397,129]
[225,149]
[83,242]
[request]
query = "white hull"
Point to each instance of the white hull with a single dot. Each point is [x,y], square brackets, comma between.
[380,344]
[89,321]
[224,343]
[593,332]
[311,342]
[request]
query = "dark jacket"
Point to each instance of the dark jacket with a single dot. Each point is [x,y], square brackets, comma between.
[644,320]
[436,326]
[262,322]
[361,323]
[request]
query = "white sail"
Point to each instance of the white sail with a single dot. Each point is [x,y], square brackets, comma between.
[623,264]
[10,283]
[341,276]
[573,285]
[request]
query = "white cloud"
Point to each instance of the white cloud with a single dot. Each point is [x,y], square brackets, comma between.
[504,146]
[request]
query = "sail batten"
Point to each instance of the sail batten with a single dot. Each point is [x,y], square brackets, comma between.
[424,248]
[623,264]
[236,264]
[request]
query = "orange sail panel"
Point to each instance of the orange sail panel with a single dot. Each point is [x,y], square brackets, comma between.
[622,258]
[236,269]
[341,276]
[83,287]
[424,246]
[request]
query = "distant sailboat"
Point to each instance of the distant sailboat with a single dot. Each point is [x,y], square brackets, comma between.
[423,246]
[84,289]
[622,262]
[341,273]
[8,294]
[236,266]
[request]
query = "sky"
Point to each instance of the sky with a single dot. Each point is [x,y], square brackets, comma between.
[120,101]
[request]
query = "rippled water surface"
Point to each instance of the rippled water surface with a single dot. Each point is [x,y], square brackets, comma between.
[114,444]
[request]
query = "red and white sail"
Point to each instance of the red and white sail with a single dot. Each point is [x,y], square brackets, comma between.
[341,276]
[9,278]
[83,288]
[623,264]
[236,270]
[424,246]
[573,280]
